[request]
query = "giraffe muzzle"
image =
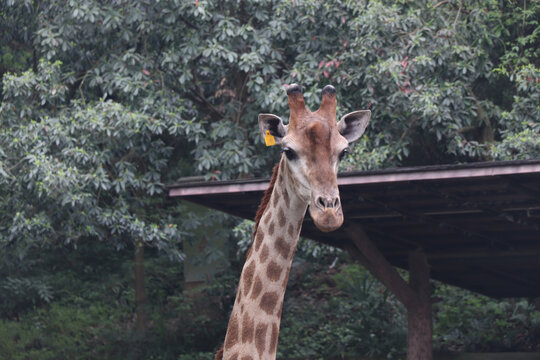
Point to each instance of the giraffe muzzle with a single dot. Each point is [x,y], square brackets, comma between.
[326,213]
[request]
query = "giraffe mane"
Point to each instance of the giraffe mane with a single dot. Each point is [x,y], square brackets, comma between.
[265,199]
[219,354]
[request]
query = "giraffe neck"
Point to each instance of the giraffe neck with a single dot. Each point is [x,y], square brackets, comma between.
[253,328]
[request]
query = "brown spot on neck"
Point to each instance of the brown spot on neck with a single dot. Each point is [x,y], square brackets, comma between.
[260,338]
[248,328]
[282,247]
[257,288]
[271,228]
[258,239]
[286,196]
[276,197]
[274,338]
[232,332]
[290,230]
[282,220]
[268,302]
[273,271]
[247,276]
[267,219]
[264,254]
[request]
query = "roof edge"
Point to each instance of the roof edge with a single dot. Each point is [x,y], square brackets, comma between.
[418,173]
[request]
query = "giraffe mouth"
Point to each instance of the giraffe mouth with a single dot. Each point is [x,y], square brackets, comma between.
[326,219]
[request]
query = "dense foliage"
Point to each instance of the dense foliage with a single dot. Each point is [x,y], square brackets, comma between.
[475,323]
[91,315]
[102,103]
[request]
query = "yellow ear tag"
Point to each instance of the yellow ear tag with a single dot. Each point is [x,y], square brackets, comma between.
[269,139]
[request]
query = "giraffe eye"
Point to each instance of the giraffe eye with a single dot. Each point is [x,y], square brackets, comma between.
[343,153]
[290,154]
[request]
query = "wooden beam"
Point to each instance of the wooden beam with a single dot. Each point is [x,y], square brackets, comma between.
[472,254]
[369,177]
[217,188]
[376,263]
[437,174]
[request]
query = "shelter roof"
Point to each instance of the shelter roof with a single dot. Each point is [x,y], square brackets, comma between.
[478,223]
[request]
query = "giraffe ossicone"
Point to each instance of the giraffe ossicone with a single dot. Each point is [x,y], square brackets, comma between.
[305,177]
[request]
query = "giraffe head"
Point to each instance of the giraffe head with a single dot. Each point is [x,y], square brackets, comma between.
[313,143]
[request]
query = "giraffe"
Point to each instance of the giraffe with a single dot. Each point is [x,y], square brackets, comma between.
[313,143]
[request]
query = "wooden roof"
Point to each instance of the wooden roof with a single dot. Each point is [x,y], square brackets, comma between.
[479,223]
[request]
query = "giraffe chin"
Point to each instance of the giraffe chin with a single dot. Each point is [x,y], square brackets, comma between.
[326,220]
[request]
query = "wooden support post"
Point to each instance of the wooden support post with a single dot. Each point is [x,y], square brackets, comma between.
[419,316]
[415,295]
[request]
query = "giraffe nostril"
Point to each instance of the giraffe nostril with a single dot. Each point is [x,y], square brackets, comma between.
[327,203]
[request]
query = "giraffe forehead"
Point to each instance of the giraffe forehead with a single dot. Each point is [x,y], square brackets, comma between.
[318,135]
[318,139]
[317,129]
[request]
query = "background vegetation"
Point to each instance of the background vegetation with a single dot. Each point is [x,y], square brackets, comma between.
[104,102]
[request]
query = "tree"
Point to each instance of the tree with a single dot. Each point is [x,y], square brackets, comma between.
[79,172]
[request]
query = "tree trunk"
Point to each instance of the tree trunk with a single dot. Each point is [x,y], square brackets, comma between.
[140,290]
[419,317]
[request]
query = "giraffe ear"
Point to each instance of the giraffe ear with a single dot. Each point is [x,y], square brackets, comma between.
[353,125]
[274,124]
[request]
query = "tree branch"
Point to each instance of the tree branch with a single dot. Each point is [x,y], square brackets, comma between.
[439,4]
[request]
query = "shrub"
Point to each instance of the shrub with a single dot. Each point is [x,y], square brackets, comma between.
[338,313]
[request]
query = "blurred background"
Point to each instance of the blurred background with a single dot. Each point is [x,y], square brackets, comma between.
[103,103]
